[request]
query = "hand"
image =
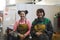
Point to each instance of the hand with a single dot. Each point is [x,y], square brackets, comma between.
[38,33]
[21,36]
[24,35]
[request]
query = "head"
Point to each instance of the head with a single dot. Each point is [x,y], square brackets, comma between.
[40,13]
[22,13]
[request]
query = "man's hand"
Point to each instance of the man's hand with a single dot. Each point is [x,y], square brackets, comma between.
[38,33]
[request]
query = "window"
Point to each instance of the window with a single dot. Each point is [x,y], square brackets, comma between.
[11,2]
[2,4]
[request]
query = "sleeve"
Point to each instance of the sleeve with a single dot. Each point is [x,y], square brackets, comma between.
[29,27]
[49,29]
[15,26]
[32,28]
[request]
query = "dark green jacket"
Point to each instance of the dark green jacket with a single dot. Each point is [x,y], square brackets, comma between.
[47,22]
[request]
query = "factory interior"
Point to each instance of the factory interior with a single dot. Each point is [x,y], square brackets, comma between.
[9,14]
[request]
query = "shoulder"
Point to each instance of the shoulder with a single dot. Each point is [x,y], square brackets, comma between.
[47,19]
[28,21]
[34,21]
[17,21]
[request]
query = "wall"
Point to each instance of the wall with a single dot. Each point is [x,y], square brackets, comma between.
[49,10]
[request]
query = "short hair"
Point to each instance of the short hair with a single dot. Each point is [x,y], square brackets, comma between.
[25,11]
[40,11]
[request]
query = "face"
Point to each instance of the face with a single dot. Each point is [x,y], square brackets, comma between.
[40,15]
[22,15]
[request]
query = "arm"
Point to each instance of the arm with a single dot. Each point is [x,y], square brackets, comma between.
[15,26]
[32,28]
[49,29]
[29,27]
[32,31]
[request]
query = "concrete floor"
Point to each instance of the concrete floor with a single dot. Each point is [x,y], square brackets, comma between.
[1,36]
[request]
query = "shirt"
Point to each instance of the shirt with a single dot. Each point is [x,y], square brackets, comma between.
[23,22]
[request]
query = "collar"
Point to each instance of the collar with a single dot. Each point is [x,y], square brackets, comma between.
[41,19]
